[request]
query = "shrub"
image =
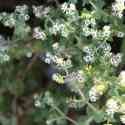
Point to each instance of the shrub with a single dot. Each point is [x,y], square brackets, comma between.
[64,70]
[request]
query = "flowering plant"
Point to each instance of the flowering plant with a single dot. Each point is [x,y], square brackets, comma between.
[65,70]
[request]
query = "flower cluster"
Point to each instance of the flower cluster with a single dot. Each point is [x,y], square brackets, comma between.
[104,52]
[38,33]
[40,11]
[97,91]
[8,19]
[89,29]
[69,9]
[122,119]
[42,100]
[20,14]
[116,59]
[62,28]
[75,76]
[117,8]
[67,57]
[70,79]
[22,11]
[120,34]
[56,27]
[59,61]
[89,58]
[58,78]
[4,57]
[112,106]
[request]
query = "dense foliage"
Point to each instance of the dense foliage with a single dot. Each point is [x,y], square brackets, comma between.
[64,71]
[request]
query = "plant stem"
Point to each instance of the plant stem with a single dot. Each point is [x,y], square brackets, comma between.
[62,114]
[55,119]
[85,100]
[94,6]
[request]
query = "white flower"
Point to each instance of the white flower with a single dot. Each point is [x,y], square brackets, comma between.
[75,76]
[122,119]
[116,59]
[58,60]
[70,77]
[72,7]
[91,22]
[86,31]
[6,58]
[68,63]
[3,14]
[106,28]
[87,22]
[58,78]
[49,122]
[88,50]
[49,55]
[89,58]
[29,54]
[65,31]
[93,95]
[122,108]
[55,77]
[47,58]
[118,7]
[39,34]
[105,46]
[106,31]
[80,76]
[64,7]
[94,34]
[69,9]
[120,34]
[57,27]
[22,10]
[39,11]
[26,17]
[112,106]
[122,78]
[37,102]
[96,92]
[107,54]
[10,22]
[55,46]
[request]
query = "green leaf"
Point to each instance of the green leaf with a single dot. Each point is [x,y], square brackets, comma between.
[98,116]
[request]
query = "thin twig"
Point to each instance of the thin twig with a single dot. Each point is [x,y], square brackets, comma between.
[66,117]
[85,100]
